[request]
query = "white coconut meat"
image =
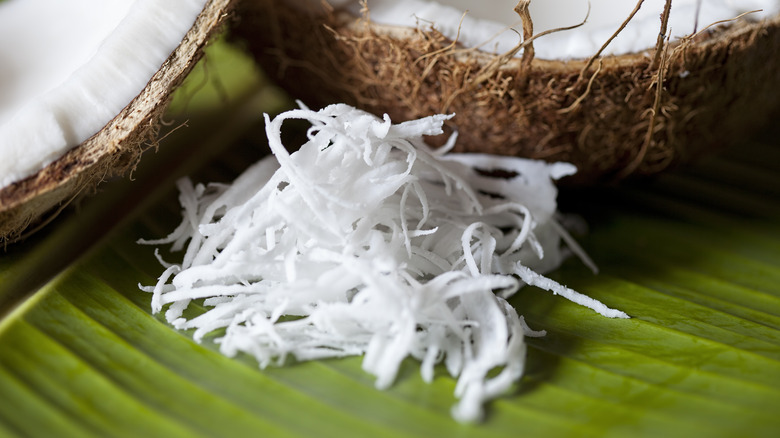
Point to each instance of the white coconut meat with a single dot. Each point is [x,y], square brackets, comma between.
[366,241]
[488,25]
[68,67]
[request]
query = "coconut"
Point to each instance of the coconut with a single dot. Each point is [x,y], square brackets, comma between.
[631,105]
[82,97]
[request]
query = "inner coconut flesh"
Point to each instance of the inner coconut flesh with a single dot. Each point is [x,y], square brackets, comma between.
[68,67]
[488,25]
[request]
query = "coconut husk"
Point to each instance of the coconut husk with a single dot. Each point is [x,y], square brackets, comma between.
[614,116]
[29,204]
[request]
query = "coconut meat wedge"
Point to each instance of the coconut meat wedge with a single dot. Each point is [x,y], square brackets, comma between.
[82,86]
[631,105]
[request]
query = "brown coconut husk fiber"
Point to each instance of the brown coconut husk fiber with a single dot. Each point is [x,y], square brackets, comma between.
[29,204]
[612,116]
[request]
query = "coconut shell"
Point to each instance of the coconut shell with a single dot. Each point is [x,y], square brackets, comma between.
[610,119]
[115,149]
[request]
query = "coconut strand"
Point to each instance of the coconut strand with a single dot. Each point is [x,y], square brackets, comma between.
[367,242]
[662,35]
[522,9]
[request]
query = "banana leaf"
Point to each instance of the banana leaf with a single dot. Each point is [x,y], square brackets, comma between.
[693,256]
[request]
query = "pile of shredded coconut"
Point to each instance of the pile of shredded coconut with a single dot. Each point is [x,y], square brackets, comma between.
[367,242]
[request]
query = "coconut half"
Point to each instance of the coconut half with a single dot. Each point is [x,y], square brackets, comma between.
[634,106]
[80,98]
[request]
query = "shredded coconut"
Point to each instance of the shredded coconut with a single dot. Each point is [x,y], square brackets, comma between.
[368,242]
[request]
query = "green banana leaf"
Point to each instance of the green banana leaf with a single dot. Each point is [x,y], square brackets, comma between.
[693,257]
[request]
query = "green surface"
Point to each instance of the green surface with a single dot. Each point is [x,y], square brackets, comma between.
[694,257]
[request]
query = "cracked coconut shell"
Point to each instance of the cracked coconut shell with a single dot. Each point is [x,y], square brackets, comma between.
[607,115]
[28,204]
